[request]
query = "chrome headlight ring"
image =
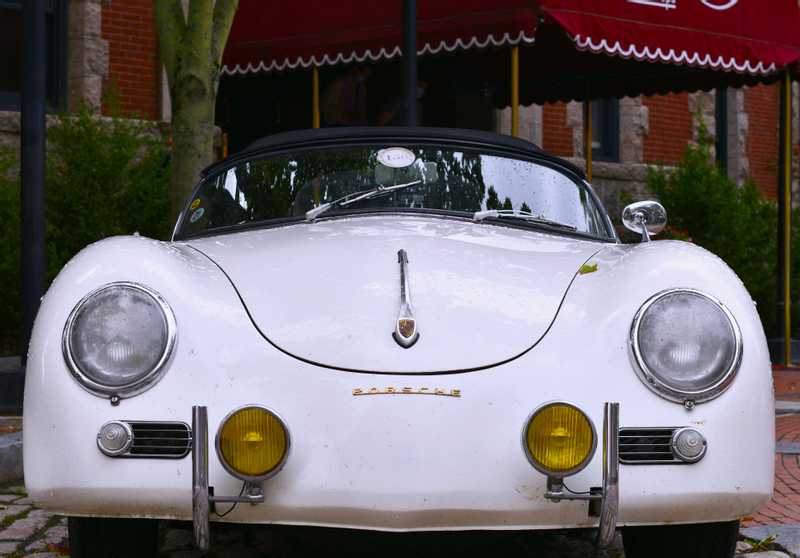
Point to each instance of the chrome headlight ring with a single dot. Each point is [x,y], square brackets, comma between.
[661,387]
[140,384]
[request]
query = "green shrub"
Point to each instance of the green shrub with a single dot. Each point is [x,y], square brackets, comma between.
[105,177]
[735,222]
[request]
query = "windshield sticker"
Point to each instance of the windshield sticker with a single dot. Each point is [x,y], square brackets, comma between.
[396,157]
[195,204]
[196,215]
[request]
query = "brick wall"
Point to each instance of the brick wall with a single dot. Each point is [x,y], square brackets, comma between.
[556,135]
[129,28]
[670,127]
[762,104]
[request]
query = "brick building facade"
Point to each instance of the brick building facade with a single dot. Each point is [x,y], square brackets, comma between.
[112,58]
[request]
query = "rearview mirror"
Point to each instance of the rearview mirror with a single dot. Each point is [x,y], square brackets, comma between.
[645,217]
[427,172]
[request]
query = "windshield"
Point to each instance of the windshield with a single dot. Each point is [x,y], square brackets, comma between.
[330,182]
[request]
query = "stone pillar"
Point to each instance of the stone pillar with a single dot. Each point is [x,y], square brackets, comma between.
[530,125]
[738,126]
[634,125]
[702,105]
[575,121]
[88,55]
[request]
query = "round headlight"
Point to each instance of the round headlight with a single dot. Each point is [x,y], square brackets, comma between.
[559,439]
[687,345]
[118,339]
[252,443]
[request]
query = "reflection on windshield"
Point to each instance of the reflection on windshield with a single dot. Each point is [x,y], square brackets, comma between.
[437,178]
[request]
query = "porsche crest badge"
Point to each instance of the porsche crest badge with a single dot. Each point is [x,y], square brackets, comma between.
[405,330]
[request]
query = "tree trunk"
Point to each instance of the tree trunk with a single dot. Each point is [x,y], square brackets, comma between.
[192,144]
[191,43]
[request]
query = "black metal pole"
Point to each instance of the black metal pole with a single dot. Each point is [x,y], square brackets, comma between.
[410,61]
[32,157]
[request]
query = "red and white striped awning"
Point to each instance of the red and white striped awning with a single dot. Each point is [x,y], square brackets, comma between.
[285,35]
[745,36]
[647,46]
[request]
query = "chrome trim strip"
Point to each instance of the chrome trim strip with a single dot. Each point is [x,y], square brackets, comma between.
[609,508]
[688,398]
[200,502]
[535,464]
[146,381]
[406,315]
[275,470]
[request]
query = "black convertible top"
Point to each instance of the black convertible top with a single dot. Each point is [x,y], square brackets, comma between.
[390,134]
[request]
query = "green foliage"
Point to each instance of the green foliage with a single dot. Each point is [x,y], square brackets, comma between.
[104,178]
[734,222]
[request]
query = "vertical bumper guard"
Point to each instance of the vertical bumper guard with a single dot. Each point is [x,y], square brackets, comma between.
[202,496]
[200,502]
[609,508]
[608,495]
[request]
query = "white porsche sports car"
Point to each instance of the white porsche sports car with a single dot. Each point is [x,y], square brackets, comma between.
[400,329]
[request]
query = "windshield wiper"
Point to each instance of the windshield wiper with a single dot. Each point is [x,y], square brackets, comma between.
[353,197]
[519,214]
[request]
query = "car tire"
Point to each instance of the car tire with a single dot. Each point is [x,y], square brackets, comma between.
[94,537]
[702,540]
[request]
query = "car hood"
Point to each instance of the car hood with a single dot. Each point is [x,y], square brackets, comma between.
[329,292]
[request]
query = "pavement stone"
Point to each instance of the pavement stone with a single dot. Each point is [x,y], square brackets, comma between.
[25,528]
[10,456]
[11,510]
[787,536]
[8,547]
[7,498]
[784,407]
[54,536]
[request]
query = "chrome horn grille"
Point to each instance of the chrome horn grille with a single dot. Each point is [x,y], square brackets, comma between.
[646,446]
[159,439]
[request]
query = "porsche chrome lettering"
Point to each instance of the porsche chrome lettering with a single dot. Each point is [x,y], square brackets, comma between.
[407,390]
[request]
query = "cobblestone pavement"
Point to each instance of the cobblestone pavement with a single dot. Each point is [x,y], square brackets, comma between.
[26,531]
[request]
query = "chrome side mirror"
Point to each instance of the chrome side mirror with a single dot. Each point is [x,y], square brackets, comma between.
[646,217]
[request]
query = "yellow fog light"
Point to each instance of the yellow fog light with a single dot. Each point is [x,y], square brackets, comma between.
[252,443]
[559,439]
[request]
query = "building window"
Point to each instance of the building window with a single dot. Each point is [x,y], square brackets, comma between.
[721,129]
[11,46]
[605,129]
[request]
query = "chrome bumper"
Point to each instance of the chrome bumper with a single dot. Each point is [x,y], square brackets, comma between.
[608,495]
